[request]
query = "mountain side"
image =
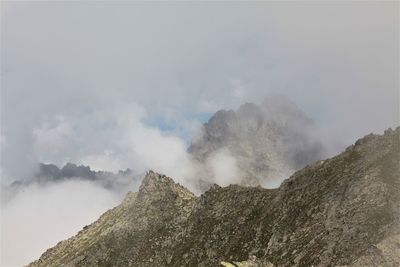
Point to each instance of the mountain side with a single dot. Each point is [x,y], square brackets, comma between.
[268,141]
[334,210]
[343,211]
[129,231]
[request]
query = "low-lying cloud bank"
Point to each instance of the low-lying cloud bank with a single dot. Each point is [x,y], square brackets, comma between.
[38,214]
[114,139]
[41,215]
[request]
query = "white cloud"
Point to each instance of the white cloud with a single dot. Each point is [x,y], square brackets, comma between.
[52,139]
[41,216]
[336,60]
[223,167]
[116,139]
[102,162]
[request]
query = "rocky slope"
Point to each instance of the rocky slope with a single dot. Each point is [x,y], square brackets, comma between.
[344,211]
[269,142]
[130,234]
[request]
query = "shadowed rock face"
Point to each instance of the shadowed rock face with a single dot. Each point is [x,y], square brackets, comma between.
[269,142]
[344,211]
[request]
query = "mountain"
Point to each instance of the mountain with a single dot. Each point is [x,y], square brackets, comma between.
[50,173]
[343,211]
[268,141]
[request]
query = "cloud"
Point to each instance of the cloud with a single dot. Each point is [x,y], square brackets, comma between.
[104,161]
[41,216]
[171,60]
[56,211]
[52,140]
[224,169]
[118,138]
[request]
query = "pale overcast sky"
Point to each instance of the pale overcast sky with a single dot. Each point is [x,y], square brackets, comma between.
[80,81]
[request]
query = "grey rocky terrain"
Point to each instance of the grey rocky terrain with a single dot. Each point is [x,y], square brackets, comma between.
[342,211]
[268,141]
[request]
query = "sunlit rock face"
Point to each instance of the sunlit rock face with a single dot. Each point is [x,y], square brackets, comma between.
[343,211]
[268,141]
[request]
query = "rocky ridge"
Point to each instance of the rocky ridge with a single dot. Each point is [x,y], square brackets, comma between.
[343,211]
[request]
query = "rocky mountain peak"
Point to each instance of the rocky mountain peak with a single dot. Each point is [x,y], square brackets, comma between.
[283,107]
[249,110]
[154,184]
[153,181]
[268,141]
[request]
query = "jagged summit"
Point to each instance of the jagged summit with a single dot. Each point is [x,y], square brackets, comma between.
[153,181]
[343,211]
[154,184]
[268,141]
[285,107]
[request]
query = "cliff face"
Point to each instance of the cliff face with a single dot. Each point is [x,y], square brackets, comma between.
[268,141]
[337,212]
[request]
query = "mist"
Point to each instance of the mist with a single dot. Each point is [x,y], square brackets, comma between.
[116,85]
[41,216]
[171,61]
[38,215]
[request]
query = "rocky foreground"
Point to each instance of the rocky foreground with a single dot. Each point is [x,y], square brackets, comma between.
[344,211]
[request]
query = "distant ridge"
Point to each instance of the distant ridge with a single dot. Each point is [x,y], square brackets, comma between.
[50,173]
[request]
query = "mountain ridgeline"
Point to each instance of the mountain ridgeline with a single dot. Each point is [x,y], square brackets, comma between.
[52,174]
[343,211]
[268,141]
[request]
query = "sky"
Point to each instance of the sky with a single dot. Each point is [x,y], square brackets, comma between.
[127,84]
[66,66]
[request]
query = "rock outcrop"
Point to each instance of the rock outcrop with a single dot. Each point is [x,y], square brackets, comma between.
[343,211]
